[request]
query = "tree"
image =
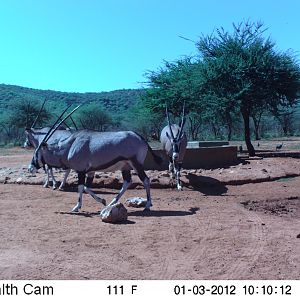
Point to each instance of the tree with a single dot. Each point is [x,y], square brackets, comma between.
[173,85]
[94,117]
[285,117]
[24,112]
[244,68]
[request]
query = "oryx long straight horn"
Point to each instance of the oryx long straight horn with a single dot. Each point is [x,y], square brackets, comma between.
[68,115]
[169,123]
[182,119]
[38,115]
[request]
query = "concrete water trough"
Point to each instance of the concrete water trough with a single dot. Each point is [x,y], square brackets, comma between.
[209,155]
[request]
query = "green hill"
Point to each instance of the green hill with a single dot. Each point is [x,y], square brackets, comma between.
[115,101]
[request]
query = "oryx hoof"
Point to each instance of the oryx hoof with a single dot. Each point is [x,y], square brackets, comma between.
[45,185]
[76,209]
[103,202]
[61,188]
[146,210]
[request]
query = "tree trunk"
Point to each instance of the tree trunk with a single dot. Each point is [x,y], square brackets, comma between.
[246,118]
[256,127]
[229,125]
[214,130]
[229,133]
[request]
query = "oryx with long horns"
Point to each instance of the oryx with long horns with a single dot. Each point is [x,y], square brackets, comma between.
[88,151]
[174,142]
[34,138]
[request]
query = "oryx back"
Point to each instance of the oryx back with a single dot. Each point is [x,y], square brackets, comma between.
[92,151]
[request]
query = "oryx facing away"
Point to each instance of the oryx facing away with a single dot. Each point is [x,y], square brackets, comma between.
[174,143]
[88,151]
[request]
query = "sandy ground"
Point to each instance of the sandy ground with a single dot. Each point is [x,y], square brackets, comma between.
[241,222]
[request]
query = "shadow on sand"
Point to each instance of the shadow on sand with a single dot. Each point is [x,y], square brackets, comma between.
[207,185]
[164,213]
[81,214]
[87,214]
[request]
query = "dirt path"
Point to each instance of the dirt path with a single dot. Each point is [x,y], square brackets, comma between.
[227,231]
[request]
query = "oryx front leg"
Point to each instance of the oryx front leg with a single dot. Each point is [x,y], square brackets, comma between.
[146,183]
[54,182]
[179,186]
[90,178]
[171,169]
[79,202]
[47,178]
[178,181]
[63,183]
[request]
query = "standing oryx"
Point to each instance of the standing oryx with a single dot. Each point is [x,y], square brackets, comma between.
[87,151]
[33,139]
[174,142]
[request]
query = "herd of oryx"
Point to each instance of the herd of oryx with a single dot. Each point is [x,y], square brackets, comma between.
[87,151]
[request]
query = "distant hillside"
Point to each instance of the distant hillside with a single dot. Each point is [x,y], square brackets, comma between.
[114,101]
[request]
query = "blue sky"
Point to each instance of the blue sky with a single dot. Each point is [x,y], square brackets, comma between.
[103,45]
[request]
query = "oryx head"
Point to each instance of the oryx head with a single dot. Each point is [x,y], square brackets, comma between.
[27,144]
[29,138]
[175,140]
[37,161]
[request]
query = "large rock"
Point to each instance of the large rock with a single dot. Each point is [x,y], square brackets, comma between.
[114,213]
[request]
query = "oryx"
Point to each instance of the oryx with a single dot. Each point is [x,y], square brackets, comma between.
[33,139]
[88,151]
[174,142]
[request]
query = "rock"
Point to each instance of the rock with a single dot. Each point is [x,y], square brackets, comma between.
[19,180]
[136,202]
[114,213]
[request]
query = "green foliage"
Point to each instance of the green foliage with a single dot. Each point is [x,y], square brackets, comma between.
[94,117]
[114,102]
[246,73]
[143,120]
[19,107]
[173,85]
[236,75]
[24,112]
